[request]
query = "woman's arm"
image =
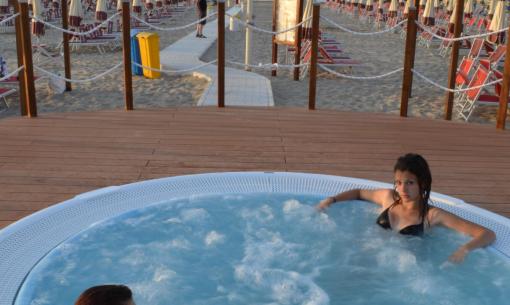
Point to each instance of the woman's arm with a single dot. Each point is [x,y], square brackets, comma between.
[480,236]
[379,196]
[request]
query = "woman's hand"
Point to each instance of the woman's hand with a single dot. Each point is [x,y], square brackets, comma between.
[324,204]
[459,255]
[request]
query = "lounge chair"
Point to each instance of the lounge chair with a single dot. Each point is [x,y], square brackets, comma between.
[467,102]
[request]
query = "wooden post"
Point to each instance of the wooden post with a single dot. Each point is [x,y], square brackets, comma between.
[126,50]
[65,45]
[299,30]
[221,53]
[457,30]
[312,88]
[19,51]
[28,75]
[503,96]
[409,54]
[274,57]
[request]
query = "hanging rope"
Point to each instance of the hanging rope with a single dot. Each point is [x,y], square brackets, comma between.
[266,66]
[427,29]
[251,26]
[98,27]
[173,28]
[453,90]
[360,77]
[11,74]
[175,71]
[363,33]
[9,18]
[78,80]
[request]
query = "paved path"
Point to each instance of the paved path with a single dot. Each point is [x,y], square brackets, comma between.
[242,88]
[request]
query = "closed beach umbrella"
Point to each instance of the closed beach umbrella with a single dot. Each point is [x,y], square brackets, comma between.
[55,4]
[406,8]
[101,9]
[37,10]
[307,26]
[4,6]
[492,8]
[75,13]
[428,13]
[437,6]
[159,3]
[498,21]
[402,3]
[149,4]
[468,9]
[137,6]
[119,5]
[392,11]
[450,6]
[451,24]
[380,7]
[369,6]
[422,5]
[362,4]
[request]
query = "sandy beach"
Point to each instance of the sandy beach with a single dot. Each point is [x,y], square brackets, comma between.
[379,54]
[106,92]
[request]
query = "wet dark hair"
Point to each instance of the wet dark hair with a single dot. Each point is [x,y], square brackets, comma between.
[105,295]
[418,166]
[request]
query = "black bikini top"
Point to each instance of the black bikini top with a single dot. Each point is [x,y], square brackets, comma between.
[384,221]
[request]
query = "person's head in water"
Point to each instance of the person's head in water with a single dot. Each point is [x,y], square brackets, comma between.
[413,181]
[106,295]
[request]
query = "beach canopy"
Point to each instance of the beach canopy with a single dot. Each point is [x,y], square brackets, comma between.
[37,10]
[101,10]
[4,6]
[422,4]
[450,6]
[137,6]
[75,13]
[428,13]
[369,5]
[406,8]
[149,4]
[307,26]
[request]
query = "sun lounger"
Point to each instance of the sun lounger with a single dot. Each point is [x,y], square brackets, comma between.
[4,93]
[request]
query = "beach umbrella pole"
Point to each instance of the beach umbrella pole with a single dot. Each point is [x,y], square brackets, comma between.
[409,53]
[19,51]
[274,50]
[298,35]
[503,97]
[221,53]
[249,20]
[312,88]
[28,75]
[65,44]
[126,50]
[457,30]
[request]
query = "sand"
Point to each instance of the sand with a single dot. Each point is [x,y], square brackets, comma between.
[106,92]
[380,54]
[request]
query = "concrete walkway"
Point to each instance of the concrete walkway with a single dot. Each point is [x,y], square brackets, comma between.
[242,88]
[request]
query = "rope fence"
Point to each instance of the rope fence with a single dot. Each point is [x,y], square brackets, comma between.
[427,29]
[75,33]
[341,27]
[360,77]
[9,18]
[6,77]
[173,28]
[251,26]
[175,71]
[267,66]
[428,80]
[51,74]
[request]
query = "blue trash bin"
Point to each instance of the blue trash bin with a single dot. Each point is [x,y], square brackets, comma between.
[135,53]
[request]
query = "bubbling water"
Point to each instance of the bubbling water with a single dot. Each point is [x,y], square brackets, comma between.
[264,249]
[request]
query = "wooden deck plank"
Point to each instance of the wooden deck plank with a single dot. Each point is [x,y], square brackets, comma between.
[54,157]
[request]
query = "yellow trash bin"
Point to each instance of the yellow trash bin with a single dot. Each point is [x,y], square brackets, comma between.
[149,53]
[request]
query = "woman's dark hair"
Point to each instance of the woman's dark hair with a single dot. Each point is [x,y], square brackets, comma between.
[416,165]
[105,295]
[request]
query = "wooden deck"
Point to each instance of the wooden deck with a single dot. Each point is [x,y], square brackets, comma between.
[52,158]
